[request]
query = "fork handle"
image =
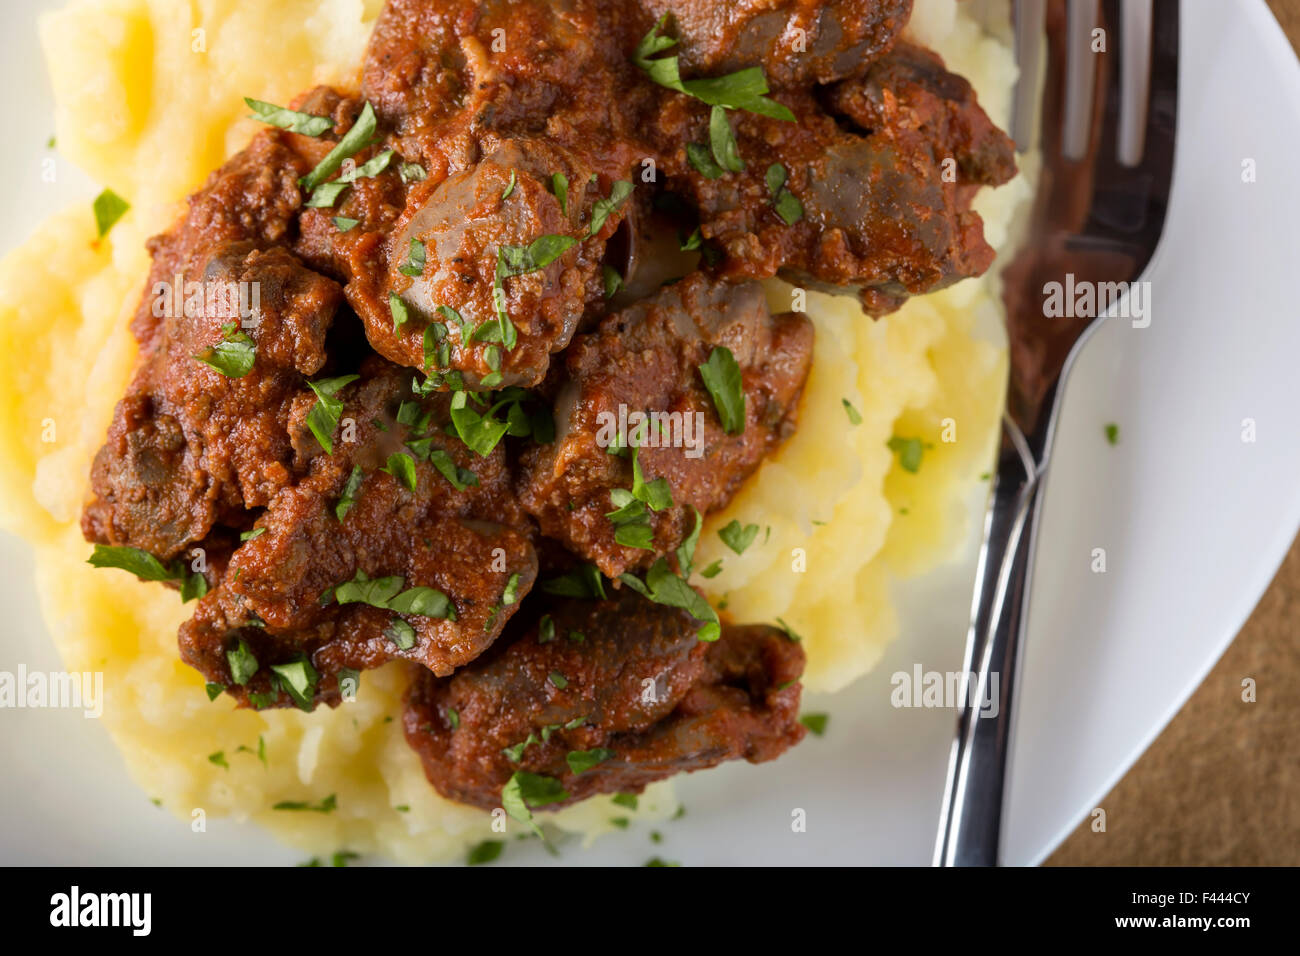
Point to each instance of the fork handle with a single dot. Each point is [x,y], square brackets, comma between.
[971,815]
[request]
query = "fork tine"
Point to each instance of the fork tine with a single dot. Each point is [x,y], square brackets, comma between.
[1031,39]
[1135,78]
[1080,79]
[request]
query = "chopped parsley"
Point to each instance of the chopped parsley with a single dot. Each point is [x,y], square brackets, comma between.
[713,570]
[664,587]
[307,124]
[909,451]
[460,478]
[737,538]
[628,800]
[411,172]
[480,431]
[558,680]
[140,563]
[1112,433]
[743,90]
[400,633]
[344,224]
[243,665]
[855,417]
[584,581]
[298,679]
[233,356]
[219,758]
[402,467]
[352,142]
[580,761]
[545,629]
[723,142]
[602,209]
[560,189]
[789,631]
[702,159]
[250,535]
[816,723]
[538,254]
[786,203]
[722,378]
[397,308]
[328,805]
[526,790]
[350,490]
[485,852]
[414,260]
[510,187]
[613,281]
[109,208]
[324,415]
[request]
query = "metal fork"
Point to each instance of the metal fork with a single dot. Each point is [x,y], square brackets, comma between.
[1107,124]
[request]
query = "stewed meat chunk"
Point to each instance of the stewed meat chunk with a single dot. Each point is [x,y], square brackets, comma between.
[606,697]
[636,400]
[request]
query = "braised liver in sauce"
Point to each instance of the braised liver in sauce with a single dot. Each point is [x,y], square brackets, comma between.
[520,222]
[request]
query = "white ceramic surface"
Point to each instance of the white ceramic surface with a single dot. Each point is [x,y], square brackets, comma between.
[1194,522]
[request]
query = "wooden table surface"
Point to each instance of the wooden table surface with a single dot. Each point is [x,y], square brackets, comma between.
[1221,785]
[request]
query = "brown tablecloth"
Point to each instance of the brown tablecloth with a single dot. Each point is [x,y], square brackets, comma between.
[1221,785]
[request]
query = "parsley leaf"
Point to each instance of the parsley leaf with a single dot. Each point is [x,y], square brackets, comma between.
[299,680]
[243,665]
[233,356]
[602,209]
[411,172]
[702,159]
[109,208]
[350,490]
[816,723]
[560,188]
[525,790]
[485,852]
[722,378]
[460,478]
[397,308]
[613,281]
[295,122]
[723,141]
[414,260]
[140,563]
[324,415]
[538,254]
[664,587]
[325,806]
[352,142]
[479,431]
[584,581]
[909,451]
[402,467]
[743,90]
[737,538]
[580,761]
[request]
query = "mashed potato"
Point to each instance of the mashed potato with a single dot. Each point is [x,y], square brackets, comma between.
[149,100]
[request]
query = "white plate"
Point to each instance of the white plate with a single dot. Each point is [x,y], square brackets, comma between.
[1194,522]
